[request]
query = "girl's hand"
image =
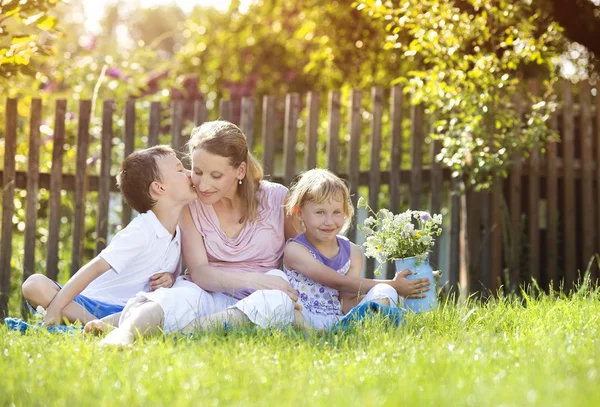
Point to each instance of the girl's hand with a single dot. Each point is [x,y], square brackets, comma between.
[266,282]
[410,288]
[160,280]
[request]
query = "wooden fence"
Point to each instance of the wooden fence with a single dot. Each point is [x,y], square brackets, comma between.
[556,195]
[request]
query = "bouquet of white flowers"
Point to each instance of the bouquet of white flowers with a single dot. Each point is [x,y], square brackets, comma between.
[390,237]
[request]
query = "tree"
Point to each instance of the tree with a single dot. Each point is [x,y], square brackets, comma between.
[473,63]
[25,27]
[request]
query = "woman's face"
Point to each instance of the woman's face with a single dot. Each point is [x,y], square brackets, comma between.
[213,176]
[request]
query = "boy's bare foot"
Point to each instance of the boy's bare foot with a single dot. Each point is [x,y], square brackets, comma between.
[119,338]
[97,327]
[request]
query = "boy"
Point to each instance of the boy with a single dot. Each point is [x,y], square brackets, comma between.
[144,256]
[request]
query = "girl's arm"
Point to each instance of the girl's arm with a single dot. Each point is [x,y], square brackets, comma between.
[347,299]
[215,279]
[297,257]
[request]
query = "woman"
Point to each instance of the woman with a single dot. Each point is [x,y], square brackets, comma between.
[233,238]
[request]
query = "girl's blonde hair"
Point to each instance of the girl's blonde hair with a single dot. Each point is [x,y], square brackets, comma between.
[223,138]
[317,186]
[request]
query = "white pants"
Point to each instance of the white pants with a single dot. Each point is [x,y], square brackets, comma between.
[273,308]
[185,301]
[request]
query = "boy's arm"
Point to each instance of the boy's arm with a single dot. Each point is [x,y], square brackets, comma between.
[74,287]
[348,299]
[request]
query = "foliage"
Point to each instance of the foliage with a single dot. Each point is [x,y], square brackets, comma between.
[508,351]
[25,29]
[390,237]
[473,66]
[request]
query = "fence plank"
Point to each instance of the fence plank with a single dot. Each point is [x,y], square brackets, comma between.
[515,223]
[177,140]
[455,222]
[333,131]
[354,154]
[83,138]
[290,130]
[587,199]
[225,110]
[533,216]
[496,261]
[200,112]
[474,201]
[416,155]
[54,215]
[268,135]
[435,205]
[570,237]
[154,124]
[8,194]
[108,109]
[33,166]
[312,127]
[130,144]
[552,208]
[598,172]
[247,121]
[396,118]
[375,159]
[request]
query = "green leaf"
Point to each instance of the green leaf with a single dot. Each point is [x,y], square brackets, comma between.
[46,23]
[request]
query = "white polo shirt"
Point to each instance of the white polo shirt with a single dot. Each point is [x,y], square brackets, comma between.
[143,248]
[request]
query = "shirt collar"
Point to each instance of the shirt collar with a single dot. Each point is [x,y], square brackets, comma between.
[159,229]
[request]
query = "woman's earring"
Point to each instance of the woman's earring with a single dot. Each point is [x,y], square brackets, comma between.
[240,182]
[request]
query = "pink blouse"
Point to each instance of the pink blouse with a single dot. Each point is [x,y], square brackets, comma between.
[258,247]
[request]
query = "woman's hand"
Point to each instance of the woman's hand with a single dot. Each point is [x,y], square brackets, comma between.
[266,282]
[161,280]
[410,288]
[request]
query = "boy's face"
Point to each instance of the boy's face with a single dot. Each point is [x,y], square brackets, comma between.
[176,179]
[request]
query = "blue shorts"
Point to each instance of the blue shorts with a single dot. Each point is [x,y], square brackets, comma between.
[97,308]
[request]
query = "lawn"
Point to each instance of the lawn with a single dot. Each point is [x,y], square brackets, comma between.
[508,352]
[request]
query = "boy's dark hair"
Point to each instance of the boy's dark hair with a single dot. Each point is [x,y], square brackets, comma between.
[138,172]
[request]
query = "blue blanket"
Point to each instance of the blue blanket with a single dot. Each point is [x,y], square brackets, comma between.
[17,324]
[368,309]
[356,315]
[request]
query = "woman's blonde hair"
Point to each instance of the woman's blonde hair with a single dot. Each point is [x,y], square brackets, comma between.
[317,186]
[225,139]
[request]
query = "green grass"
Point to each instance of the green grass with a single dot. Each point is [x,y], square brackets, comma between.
[508,352]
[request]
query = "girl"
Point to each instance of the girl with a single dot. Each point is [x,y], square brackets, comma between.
[325,267]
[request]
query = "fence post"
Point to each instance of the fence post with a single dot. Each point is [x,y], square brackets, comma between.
[396,118]
[354,154]
[153,123]
[333,131]
[552,208]
[312,126]
[375,159]
[416,156]
[290,130]
[268,135]
[54,214]
[130,142]
[108,109]
[83,139]
[8,206]
[587,184]
[33,176]
[570,241]
[247,121]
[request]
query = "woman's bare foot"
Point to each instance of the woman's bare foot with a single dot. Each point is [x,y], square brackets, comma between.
[118,337]
[300,322]
[97,327]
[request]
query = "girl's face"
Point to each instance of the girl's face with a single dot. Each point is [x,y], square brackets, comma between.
[213,176]
[323,221]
